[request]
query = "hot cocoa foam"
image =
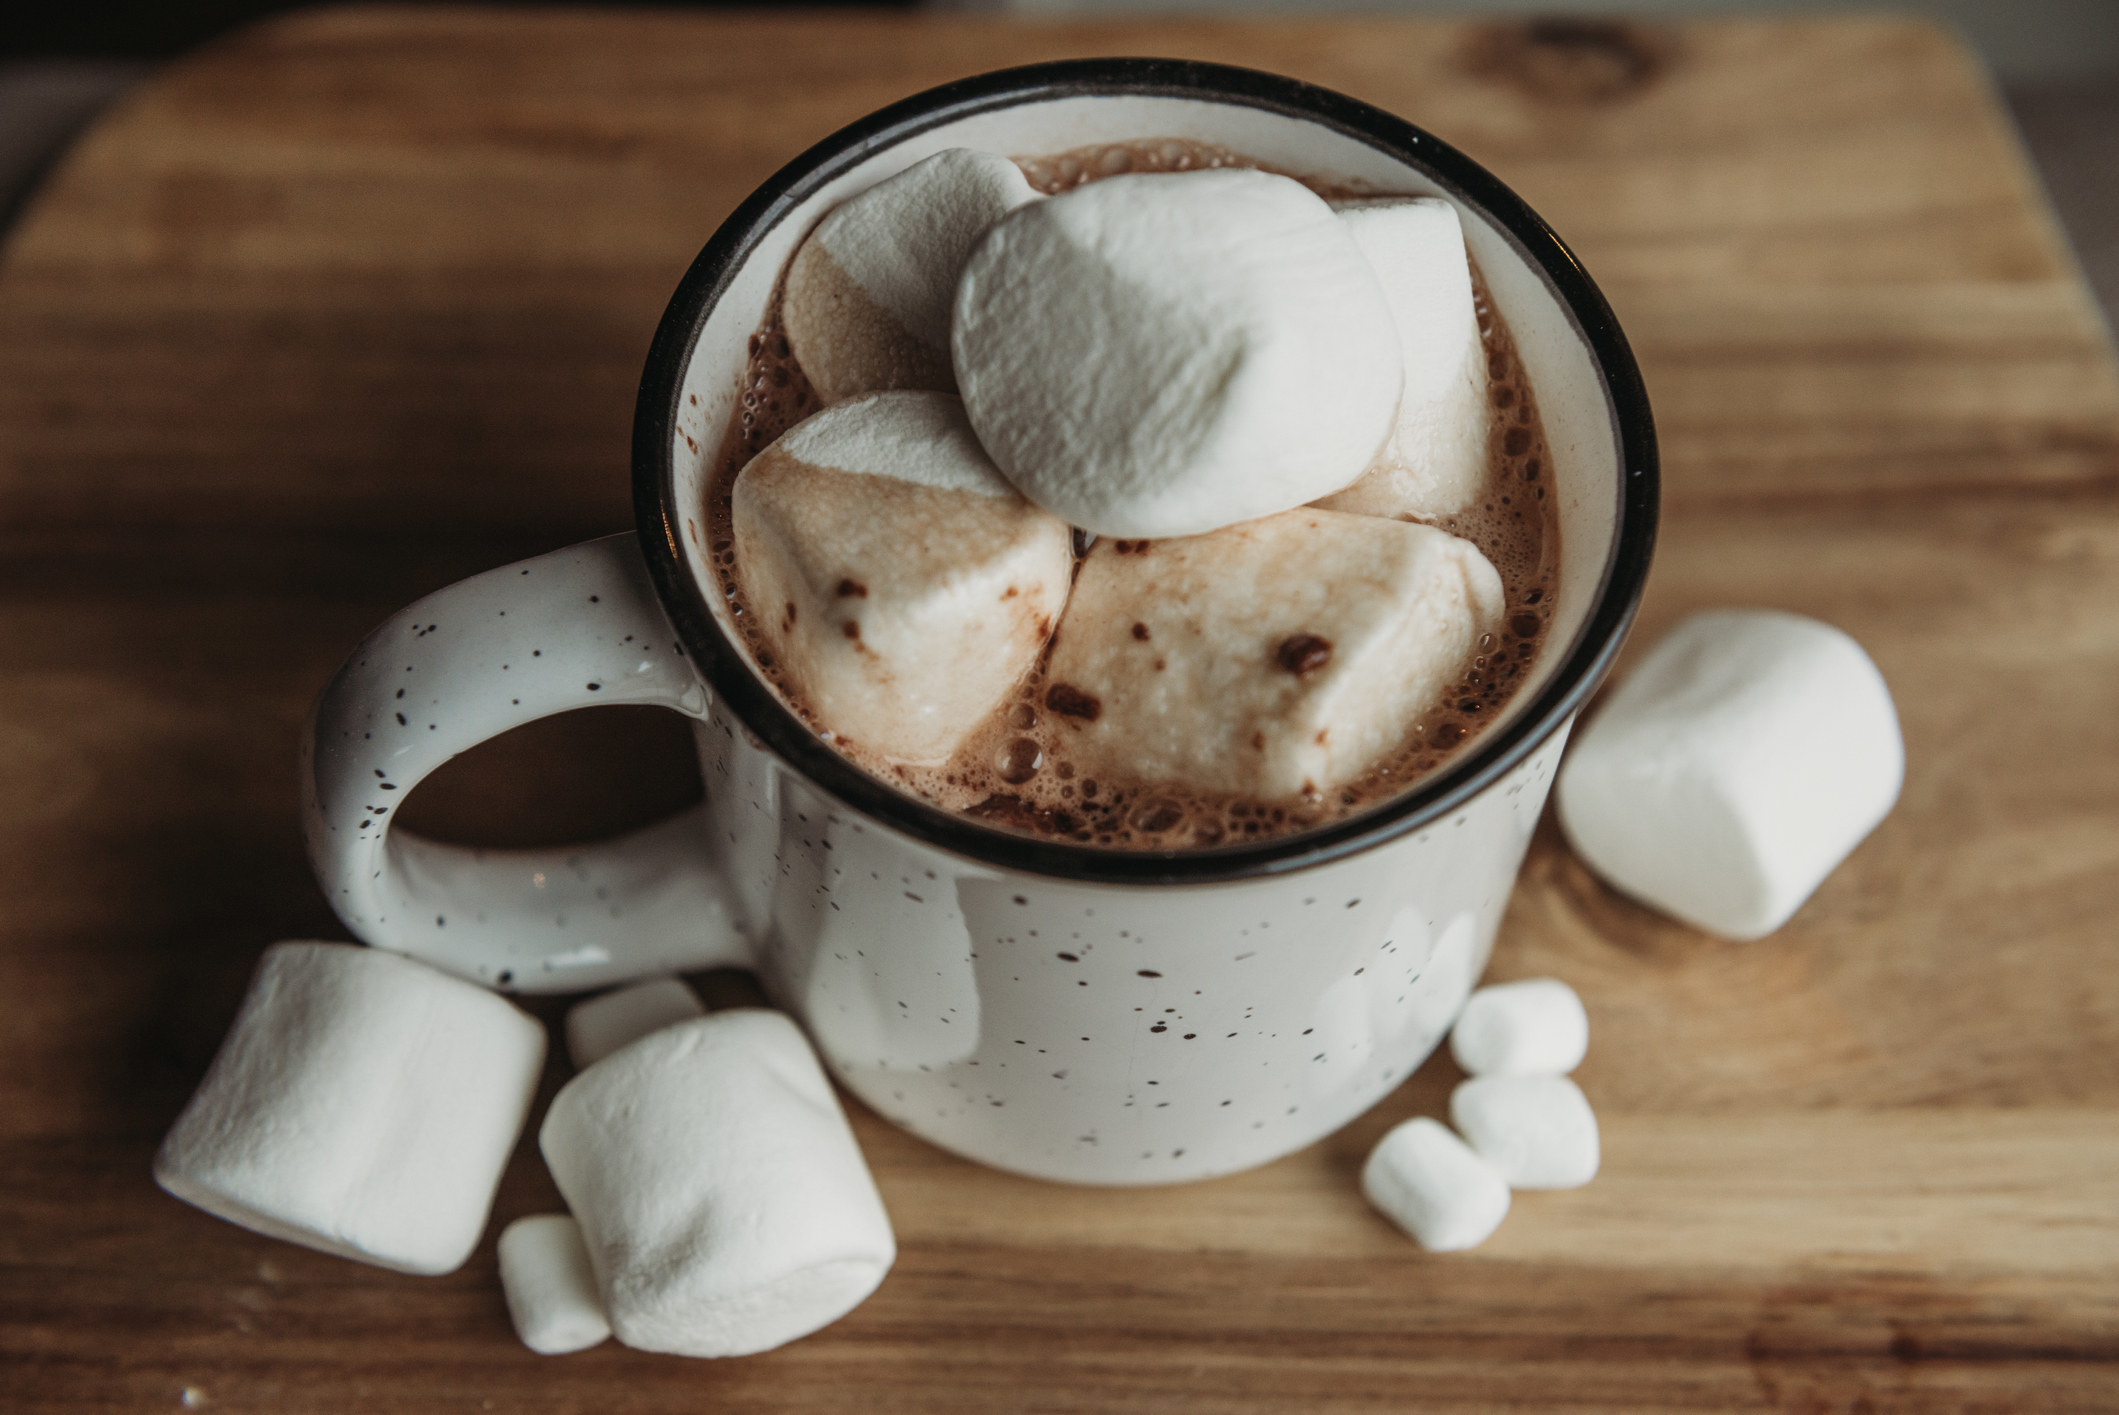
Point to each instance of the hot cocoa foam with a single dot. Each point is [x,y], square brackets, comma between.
[1013,771]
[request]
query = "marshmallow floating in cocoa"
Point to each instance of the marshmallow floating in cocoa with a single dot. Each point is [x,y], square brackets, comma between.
[897,579]
[603,1024]
[1537,1027]
[1435,1187]
[1167,354]
[868,295]
[363,1104]
[1271,659]
[1734,768]
[550,1286]
[1538,1131]
[724,1203]
[1435,460]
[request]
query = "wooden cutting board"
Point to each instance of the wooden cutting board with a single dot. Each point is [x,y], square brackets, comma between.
[352,305]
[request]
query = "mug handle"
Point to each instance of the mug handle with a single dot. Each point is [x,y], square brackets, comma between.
[580,627]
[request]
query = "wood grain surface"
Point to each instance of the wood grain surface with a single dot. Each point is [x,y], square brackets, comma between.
[352,305]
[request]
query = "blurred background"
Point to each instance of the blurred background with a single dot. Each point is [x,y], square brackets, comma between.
[2056,61]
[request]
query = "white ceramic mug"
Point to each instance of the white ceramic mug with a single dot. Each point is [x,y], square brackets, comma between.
[1045,1007]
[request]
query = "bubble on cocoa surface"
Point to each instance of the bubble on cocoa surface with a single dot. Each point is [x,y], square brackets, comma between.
[1156,815]
[1019,760]
[992,778]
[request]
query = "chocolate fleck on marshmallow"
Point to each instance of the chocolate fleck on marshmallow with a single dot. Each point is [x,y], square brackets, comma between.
[1303,654]
[1070,701]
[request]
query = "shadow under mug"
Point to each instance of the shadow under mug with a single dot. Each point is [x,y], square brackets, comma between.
[1045,1007]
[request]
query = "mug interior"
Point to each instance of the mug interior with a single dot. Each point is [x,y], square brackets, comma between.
[1589,398]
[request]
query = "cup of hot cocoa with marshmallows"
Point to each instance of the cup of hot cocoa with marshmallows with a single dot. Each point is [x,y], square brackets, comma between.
[1132,537]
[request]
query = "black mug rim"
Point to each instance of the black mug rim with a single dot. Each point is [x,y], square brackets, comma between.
[727,669]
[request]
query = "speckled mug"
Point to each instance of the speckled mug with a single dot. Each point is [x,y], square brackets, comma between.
[1091,1016]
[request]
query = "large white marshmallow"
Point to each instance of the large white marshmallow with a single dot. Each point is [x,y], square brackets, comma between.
[1734,768]
[725,1205]
[868,296]
[1538,1131]
[1167,354]
[1273,659]
[1537,1027]
[550,1286]
[1436,459]
[901,582]
[363,1104]
[1432,1185]
[603,1024]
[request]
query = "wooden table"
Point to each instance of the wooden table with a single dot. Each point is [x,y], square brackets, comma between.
[352,305]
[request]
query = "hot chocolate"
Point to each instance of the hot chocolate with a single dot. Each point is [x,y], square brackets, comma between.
[1022,768]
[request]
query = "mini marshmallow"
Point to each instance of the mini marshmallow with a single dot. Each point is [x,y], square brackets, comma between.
[725,1205]
[901,584]
[1275,658]
[1537,1027]
[868,296]
[550,1287]
[363,1105]
[1537,1131]
[1431,1184]
[1167,354]
[1435,460]
[1736,766]
[601,1025]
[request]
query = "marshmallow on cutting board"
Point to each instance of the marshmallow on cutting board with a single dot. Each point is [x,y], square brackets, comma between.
[1538,1131]
[724,1203]
[1435,461]
[1166,354]
[1274,658]
[603,1024]
[1537,1027]
[868,296]
[550,1286]
[897,577]
[1432,1185]
[363,1104]
[1734,768]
